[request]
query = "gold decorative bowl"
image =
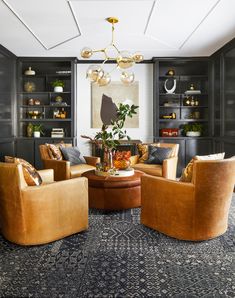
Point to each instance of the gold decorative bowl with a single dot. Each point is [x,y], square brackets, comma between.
[34,114]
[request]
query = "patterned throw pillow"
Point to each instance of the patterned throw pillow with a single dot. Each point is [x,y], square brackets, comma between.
[157,154]
[54,151]
[187,173]
[143,152]
[73,155]
[31,176]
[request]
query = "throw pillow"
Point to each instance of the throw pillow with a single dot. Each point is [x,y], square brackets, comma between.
[157,154]
[73,155]
[31,176]
[187,173]
[54,151]
[143,152]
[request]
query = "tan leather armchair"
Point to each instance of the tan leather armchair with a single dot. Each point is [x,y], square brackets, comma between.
[190,211]
[166,170]
[32,215]
[62,168]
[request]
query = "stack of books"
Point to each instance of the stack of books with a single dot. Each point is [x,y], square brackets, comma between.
[57,133]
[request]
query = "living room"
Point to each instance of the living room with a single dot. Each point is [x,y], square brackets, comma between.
[147,209]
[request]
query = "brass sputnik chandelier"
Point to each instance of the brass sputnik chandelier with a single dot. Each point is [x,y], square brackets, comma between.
[123,60]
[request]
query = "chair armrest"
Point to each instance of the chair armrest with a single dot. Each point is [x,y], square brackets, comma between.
[92,160]
[47,175]
[134,159]
[61,168]
[169,168]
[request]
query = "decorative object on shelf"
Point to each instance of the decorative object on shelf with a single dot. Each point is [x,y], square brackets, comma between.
[192,90]
[30,130]
[29,86]
[63,72]
[121,160]
[58,85]
[31,102]
[171,103]
[37,102]
[37,130]
[57,133]
[108,140]
[29,72]
[123,60]
[35,114]
[170,72]
[59,114]
[169,132]
[193,129]
[170,85]
[170,116]
[196,115]
[58,99]
[190,101]
[193,115]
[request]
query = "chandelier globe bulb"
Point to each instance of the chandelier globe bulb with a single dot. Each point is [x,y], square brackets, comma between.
[86,53]
[94,73]
[124,60]
[127,78]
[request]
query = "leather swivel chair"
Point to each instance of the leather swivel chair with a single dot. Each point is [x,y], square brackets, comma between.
[166,170]
[62,168]
[31,215]
[190,211]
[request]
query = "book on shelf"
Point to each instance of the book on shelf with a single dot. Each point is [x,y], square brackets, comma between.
[191,92]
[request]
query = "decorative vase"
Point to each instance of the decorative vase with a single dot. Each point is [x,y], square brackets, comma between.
[58,89]
[30,130]
[108,159]
[122,164]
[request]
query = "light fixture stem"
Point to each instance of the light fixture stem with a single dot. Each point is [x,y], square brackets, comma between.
[113,69]
[95,51]
[104,61]
[116,48]
[112,43]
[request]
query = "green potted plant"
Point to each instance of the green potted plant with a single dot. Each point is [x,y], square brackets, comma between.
[58,85]
[107,138]
[37,130]
[193,129]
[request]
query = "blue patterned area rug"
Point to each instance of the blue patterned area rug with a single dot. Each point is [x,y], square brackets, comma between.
[118,257]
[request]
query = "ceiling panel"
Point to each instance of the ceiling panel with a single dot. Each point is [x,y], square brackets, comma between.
[173,22]
[217,29]
[171,19]
[51,22]
[96,31]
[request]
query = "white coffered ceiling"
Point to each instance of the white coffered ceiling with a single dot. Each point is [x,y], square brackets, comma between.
[156,28]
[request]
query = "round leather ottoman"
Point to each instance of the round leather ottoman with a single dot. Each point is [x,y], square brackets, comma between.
[114,193]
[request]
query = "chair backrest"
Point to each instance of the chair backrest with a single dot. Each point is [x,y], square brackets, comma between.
[175,148]
[45,153]
[214,183]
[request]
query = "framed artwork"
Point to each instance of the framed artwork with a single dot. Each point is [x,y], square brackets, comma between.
[119,93]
